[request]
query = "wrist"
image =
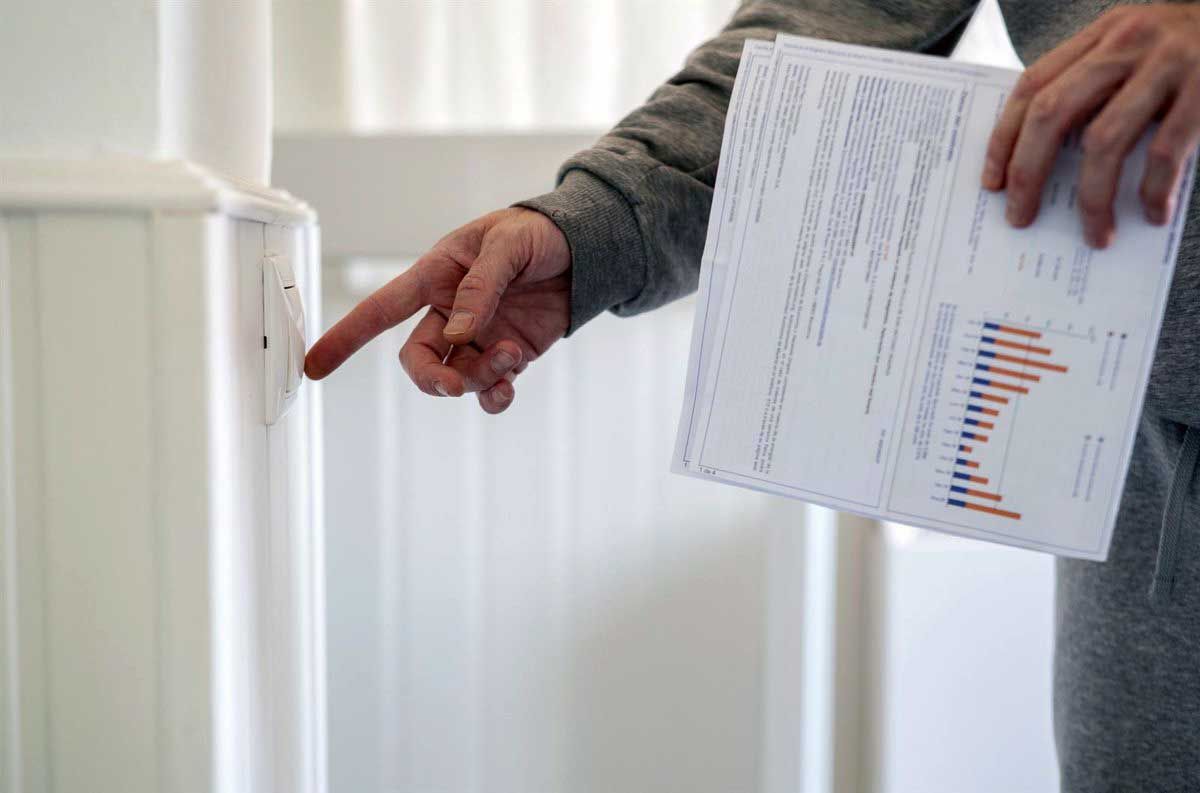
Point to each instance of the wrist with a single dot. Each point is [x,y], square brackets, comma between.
[607,258]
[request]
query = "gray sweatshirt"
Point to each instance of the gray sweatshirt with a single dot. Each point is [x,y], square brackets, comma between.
[634,209]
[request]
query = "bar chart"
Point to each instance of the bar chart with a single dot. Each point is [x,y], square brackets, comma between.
[1004,363]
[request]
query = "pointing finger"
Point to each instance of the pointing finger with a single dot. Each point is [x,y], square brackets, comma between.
[387,307]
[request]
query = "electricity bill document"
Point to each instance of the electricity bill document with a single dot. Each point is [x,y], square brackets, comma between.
[872,336]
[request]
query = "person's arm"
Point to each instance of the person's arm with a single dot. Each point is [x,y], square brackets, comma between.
[624,229]
[634,207]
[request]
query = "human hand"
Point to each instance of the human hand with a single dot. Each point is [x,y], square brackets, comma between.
[1132,65]
[498,291]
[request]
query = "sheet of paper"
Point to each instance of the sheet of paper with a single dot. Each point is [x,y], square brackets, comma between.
[872,336]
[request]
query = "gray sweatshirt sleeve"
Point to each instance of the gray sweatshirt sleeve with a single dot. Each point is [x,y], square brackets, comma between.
[634,207]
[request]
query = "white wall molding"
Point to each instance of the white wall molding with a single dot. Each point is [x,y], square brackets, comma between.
[129,183]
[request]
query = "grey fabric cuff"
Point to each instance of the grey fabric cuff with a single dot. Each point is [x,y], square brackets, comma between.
[608,260]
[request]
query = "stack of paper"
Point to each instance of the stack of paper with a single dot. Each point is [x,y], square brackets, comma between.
[872,336]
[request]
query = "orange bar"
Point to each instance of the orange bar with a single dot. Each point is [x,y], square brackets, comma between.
[979,480]
[982,494]
[1027,362]
[1033,334]
[965,449]
[993,511]
[987,425]
[970,463]
[1020,389]
[1011,373]
[993,398]
[1026,347]
[988,411]
[980,438]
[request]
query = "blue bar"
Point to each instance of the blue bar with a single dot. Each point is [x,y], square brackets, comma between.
[991,326]
[987,353]
[968,435]
[961,475]
[954,502]
[962,448]
[972,422]
[988,339]
[975,408]
[977,394]
[983,367]
[980,381]
[960,461]
[957,489]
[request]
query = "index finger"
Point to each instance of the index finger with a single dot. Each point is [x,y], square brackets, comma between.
[385,308]
[1004,135]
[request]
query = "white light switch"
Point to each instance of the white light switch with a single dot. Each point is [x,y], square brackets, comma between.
[283,328]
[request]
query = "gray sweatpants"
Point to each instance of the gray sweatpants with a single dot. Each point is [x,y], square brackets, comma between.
[1127,671]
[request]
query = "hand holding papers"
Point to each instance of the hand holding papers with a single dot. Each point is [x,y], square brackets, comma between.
[872,336]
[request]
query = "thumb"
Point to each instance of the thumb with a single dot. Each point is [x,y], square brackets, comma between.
[500,260]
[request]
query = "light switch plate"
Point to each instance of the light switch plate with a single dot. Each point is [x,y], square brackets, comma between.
[283,335]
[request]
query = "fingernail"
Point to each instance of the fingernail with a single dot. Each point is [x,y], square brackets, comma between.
[441,389]
[1099,238]
[502,362]
[1160,215]
[1012,215]
[460,322]
[501,396]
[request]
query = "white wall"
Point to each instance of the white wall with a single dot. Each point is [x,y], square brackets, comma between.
[531,601]
[486,65]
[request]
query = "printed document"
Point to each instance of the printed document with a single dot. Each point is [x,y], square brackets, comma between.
[871,335]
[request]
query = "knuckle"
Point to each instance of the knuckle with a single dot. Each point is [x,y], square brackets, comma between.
[997,148]
[406,362]
[1028,84]
[1130,30]
[1162,154]
[515,237]
[419,275]
[1100,139]
[473,284]
[523,244]
[1176,52]
[1044,110]
[378,309]
[1020,178]
[1093,204]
